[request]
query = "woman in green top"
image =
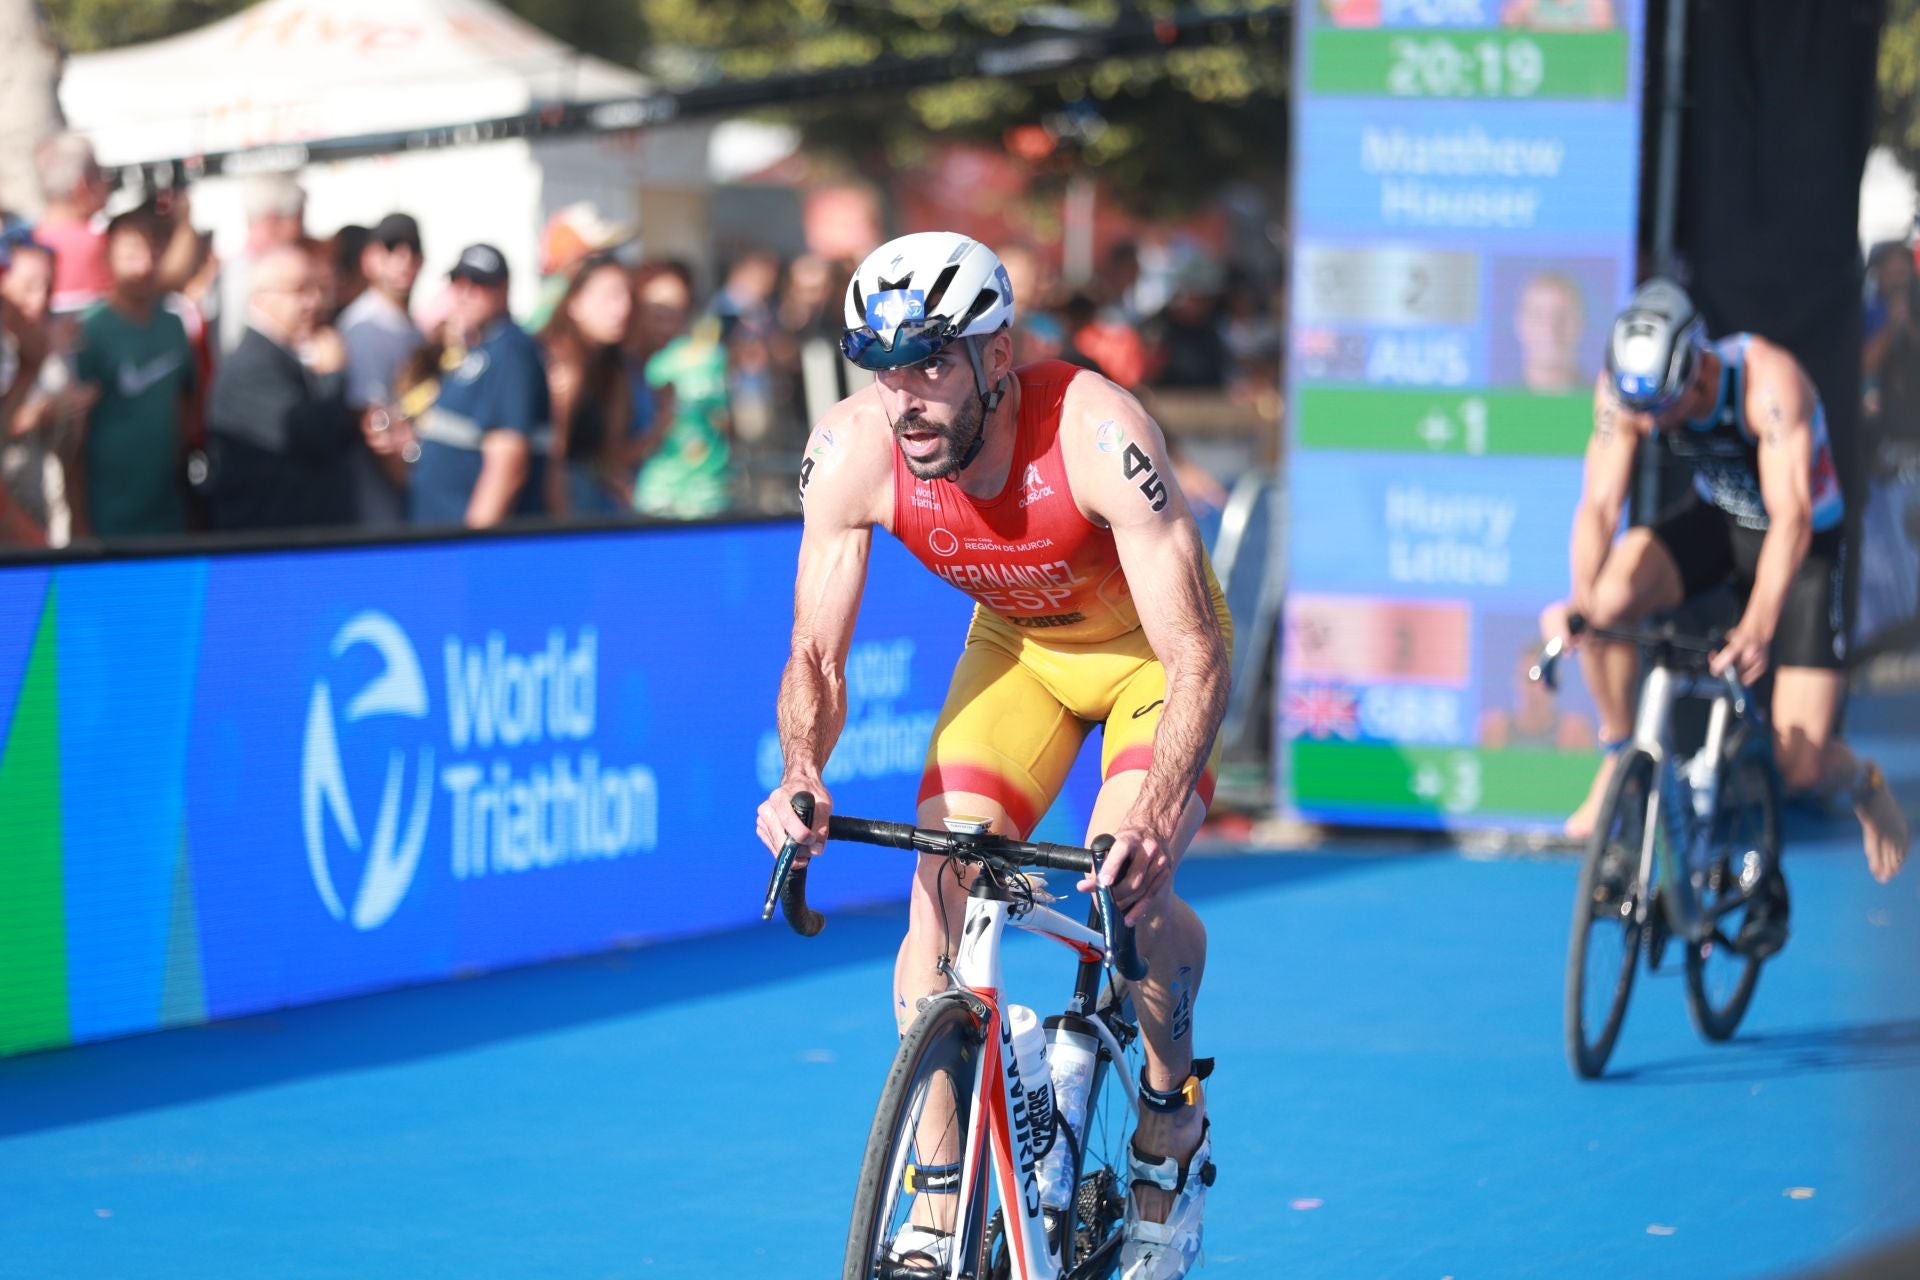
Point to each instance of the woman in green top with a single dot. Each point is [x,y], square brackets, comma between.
[692,472]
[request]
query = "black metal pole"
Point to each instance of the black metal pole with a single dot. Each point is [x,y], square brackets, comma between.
[1666,214]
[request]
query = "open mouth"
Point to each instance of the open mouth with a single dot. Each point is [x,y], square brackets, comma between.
[920,444]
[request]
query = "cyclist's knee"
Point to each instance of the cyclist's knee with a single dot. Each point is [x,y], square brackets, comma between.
[1614,603]
[1167,916]
[1800,757]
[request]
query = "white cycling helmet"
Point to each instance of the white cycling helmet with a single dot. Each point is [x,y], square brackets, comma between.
[914,295]
[1655,346]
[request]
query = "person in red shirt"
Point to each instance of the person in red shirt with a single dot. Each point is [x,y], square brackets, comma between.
[75,192]
[1046,493]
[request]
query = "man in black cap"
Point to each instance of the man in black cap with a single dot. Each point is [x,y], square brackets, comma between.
[381,337]
[481,442]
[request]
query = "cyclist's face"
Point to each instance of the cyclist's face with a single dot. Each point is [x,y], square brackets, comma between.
[1694,401]
[935,408]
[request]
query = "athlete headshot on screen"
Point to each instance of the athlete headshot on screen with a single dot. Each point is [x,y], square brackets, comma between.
[1549,320]
[1559,15]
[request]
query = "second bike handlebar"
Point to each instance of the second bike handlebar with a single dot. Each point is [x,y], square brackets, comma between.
[1545,668]
[789,883]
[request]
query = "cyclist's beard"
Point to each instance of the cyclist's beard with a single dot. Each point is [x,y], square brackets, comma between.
[968,425]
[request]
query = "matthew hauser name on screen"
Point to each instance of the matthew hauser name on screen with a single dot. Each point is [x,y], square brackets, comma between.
[568,807]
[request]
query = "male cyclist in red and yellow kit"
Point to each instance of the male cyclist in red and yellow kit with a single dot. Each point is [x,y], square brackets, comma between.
[1045,493]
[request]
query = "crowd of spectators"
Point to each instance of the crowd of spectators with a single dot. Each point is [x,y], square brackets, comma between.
[148,389]
[1889,602]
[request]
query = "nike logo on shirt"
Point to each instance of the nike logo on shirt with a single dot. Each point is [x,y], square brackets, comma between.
[135,379]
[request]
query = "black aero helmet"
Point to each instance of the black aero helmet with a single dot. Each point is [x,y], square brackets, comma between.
[1655,346]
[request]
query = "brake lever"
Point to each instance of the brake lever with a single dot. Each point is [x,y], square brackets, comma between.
[1547,669]
[788,884]
[1114,931]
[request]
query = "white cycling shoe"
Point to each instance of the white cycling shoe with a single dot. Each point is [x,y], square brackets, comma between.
[1167,1250]
[915,1246]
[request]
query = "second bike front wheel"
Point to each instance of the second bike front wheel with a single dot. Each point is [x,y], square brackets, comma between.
[911,1173]
[1746,838]
[1604,949]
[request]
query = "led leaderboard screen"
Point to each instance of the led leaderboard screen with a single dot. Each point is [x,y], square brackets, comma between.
[241,782]
[1465,201]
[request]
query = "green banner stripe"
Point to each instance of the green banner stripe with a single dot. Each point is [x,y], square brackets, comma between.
[1516,66]
[33,927]
[1448,782]
[1471,423]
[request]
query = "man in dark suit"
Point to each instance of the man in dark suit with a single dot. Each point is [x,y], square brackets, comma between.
[281,430]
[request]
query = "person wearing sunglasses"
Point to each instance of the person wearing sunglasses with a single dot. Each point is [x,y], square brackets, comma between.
[1047,494]
[1765,515]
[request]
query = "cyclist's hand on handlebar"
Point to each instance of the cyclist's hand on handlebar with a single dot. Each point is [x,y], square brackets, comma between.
[1554,625]
[1745,651]
[777,823]
[1137,869]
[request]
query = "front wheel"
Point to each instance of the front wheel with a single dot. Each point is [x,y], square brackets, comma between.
[1604,949]
[910,1177]
[1746,850]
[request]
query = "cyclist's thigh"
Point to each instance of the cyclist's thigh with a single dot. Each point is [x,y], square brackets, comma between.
[1002,746]
[1812,631]
[1688,553]
[1127,753]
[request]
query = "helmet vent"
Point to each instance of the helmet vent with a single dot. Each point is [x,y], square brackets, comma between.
[939,290]
[981,305]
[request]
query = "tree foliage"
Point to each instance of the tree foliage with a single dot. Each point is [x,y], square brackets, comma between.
[1171,126]
[1900,82]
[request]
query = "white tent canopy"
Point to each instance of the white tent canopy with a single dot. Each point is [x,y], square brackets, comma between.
[291,71]
[297,70]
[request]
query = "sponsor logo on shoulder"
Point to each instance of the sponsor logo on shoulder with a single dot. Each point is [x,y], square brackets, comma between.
[1035,485]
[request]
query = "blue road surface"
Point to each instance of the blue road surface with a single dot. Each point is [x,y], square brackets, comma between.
[1392,1099]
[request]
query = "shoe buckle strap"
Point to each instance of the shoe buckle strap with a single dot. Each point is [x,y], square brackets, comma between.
[914,1240]
[1166,1173]
[1187,1094]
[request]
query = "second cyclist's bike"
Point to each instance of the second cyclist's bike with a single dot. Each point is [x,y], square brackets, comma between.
[1683,847]
[965,1175]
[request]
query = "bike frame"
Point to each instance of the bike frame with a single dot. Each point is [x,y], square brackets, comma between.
[998,1137]
[1653,734]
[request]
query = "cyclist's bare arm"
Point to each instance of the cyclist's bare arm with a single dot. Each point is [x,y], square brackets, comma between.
[1603,491]
[1780,415]
[1122,477]
[845,488]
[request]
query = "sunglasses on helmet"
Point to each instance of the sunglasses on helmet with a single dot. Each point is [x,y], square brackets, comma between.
[913,342]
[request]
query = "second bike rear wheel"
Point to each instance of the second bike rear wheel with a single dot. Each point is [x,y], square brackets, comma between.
[1746,850]
[1604,950]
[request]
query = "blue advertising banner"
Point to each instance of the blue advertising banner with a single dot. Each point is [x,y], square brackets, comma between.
[1464,219]
[254,780]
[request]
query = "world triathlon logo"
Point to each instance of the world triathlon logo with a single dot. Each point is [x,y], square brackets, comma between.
[390,854]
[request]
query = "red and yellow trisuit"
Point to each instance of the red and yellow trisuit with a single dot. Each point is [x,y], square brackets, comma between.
[1056,645]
